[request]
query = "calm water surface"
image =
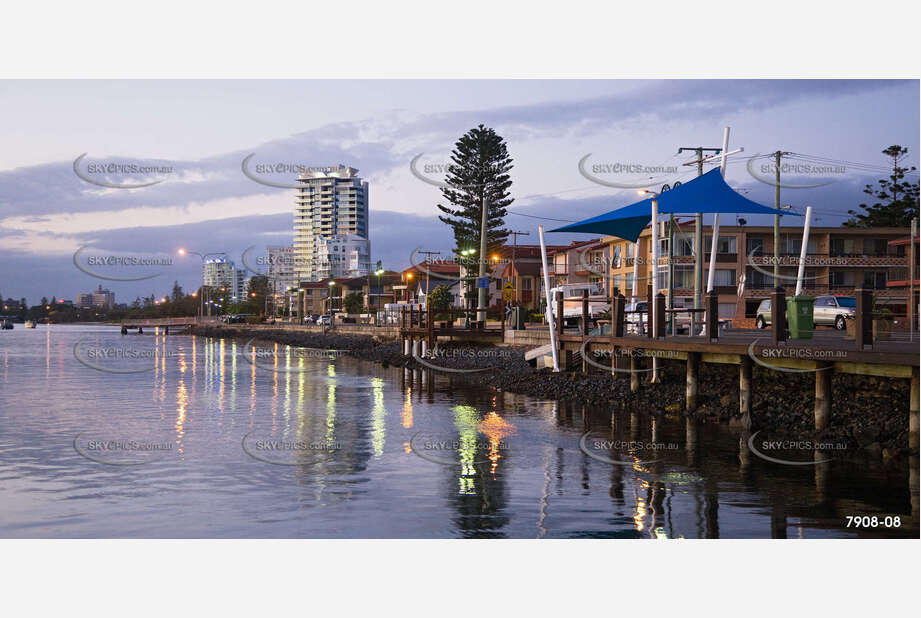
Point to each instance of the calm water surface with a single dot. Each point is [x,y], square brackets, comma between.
[197,437]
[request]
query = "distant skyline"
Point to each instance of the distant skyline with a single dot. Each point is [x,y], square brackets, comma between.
[203,130]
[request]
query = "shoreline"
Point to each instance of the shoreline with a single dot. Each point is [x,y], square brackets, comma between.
[870,421]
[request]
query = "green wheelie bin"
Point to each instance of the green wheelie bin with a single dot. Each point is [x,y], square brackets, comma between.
[799,316]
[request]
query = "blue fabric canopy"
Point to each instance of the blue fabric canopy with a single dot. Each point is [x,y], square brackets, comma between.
[708,193]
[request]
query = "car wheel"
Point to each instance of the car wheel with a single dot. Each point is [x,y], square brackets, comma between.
[760,322]
[839,322]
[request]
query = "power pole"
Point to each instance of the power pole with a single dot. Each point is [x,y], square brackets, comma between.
[482,292]
[777,156]
[698,228]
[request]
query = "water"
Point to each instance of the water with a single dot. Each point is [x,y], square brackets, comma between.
[378,453]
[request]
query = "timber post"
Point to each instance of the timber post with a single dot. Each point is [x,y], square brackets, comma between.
[913,407]
[713,323]
[691,386]
[634,374]
[823,394]
[778,315]
[745,391]
[660,316]
[864,317]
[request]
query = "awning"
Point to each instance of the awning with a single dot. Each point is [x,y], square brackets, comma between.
[706,194]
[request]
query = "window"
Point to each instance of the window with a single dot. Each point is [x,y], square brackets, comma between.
[726,244]
[631,250]
[791,244]
[628,283]
[754,246]
[840,279]
[874,279]
[526,283]
[683,277]
[841,246]
[615,260]
[724,277]
[757,280]
[684,246]
[875,246]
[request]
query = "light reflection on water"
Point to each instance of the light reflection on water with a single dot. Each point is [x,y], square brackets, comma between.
[513,467]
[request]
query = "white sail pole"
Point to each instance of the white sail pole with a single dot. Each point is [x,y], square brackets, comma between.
[802,252]
[636,268]
[655,267]
[549,312]
[711,272]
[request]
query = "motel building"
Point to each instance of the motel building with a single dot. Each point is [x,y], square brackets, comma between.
[839,260]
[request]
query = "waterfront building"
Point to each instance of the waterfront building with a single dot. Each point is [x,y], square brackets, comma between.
[330,201]
[838,261]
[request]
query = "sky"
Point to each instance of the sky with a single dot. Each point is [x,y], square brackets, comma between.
[198,133]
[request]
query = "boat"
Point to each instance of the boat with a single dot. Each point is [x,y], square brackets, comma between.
[6,324]
[29,324]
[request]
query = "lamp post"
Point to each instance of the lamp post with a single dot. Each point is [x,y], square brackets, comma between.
[332,285]
[380,291]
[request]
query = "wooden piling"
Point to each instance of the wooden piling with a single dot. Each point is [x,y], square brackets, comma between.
[823,394]
[913,408]
[778,315]
[660,316]
[634,375]
[585,325]
[691,382]
[864,317]
[745,391]
[713,323]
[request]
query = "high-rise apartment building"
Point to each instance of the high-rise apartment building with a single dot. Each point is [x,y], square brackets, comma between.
[280,269]
[330,201]
[219,273]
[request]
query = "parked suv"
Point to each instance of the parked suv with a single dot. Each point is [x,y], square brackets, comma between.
[826,311]
[834,311]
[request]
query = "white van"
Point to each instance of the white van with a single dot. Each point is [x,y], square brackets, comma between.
[572,301]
